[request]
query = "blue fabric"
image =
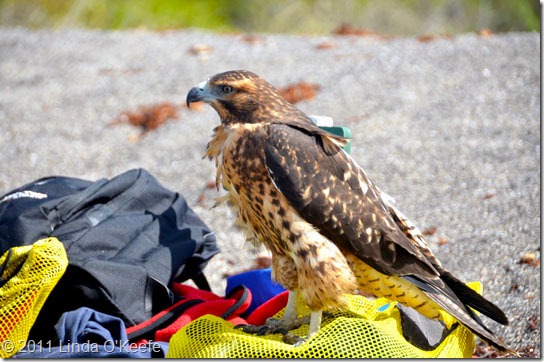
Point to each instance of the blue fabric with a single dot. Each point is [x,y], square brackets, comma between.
[259,282]
[86,333]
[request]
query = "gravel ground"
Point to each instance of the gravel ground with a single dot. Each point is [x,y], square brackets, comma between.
[448,127]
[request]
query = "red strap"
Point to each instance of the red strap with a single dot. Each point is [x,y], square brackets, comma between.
[195,304]
[146,330]
[268,309]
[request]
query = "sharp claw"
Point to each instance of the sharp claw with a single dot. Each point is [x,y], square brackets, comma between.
[282,331]
[264,331]
[295,340]
[248,328]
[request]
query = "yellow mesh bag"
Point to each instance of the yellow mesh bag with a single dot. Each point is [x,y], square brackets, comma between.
[31,272]
[362,331]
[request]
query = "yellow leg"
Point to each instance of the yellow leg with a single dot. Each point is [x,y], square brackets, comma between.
[315,322]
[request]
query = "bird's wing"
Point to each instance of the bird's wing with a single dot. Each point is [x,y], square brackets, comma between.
[330,191]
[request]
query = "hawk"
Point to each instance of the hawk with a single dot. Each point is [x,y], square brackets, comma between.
[330,230]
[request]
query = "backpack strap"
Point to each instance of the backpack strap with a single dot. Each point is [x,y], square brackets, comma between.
[68,206]
[243,299]
[268,309]
[146,330]
[201,282]
[195,304]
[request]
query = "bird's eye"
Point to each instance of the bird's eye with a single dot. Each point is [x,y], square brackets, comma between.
[227,89]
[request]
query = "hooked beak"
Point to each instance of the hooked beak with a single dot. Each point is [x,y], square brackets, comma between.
[198,94]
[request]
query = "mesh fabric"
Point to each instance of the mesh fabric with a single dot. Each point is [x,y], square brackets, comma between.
[31,272]
[367,329]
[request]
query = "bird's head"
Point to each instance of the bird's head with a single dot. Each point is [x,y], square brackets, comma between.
[242,96]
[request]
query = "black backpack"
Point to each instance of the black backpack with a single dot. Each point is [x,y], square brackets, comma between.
[127,239]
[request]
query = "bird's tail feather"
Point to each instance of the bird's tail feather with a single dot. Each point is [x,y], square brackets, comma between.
[453,305]
[472,299]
